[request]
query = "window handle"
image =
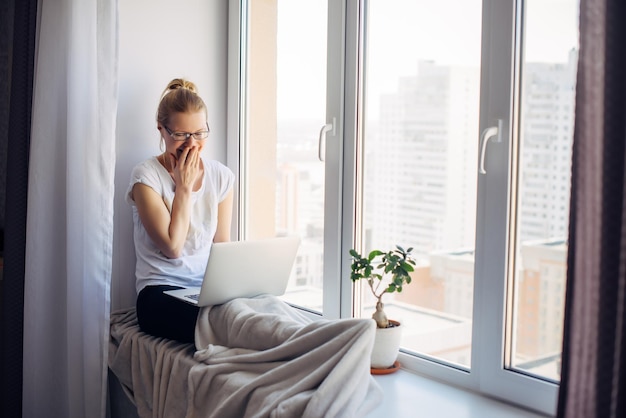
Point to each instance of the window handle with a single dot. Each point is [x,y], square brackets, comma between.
[321,146]
[492,131]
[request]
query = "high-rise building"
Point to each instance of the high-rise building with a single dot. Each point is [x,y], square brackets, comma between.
[420,169]
[546,136]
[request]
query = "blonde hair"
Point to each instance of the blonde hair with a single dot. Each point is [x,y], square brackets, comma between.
[180,96]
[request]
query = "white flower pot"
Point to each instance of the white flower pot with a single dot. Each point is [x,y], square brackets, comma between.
[386,346]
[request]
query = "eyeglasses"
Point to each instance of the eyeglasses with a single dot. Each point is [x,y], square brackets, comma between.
[183,136]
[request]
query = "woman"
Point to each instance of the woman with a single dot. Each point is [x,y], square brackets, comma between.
[182,203]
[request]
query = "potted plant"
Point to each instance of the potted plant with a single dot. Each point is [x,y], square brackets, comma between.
[384,272]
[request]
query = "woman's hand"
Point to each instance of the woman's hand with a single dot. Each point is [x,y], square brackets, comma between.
[185,167]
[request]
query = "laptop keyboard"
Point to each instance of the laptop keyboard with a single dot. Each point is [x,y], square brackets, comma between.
[195,296]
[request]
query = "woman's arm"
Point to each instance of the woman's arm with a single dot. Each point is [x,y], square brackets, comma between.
[169,230]
[224,218]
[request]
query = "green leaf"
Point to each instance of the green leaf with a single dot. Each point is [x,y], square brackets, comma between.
[373,254]
[407,267]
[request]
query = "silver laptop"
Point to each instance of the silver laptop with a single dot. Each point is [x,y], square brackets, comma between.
[243,269]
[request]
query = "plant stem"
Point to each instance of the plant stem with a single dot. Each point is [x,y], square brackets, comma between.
[371,283]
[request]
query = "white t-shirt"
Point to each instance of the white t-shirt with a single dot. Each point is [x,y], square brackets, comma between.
[153,267]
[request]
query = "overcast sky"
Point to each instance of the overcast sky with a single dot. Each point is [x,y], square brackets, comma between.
[401,32]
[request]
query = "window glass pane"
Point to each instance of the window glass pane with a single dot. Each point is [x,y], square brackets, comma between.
[286,106]
[546,131]
[420,141]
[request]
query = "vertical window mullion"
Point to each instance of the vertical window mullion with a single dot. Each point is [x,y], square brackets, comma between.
[492,207]
[335,80]
[352,114]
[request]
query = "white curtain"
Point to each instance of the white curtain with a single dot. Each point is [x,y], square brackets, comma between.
[70,209]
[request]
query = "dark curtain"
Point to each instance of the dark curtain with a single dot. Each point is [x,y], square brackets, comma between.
[19,44]
[593,381]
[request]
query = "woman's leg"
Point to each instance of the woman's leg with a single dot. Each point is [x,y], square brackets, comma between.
[165,316]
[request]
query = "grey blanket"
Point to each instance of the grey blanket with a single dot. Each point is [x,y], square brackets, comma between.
[255,358]
[260,358]
[153,371]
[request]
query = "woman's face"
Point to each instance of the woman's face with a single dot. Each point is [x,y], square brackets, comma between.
[185,123]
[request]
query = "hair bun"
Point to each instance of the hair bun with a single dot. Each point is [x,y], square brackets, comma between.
[180,83]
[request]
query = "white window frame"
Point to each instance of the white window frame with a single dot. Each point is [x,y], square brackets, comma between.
[501,21]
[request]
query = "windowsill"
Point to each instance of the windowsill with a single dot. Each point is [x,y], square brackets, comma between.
[410,395]
[405,395]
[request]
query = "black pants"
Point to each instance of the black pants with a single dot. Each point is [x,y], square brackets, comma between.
[165,316]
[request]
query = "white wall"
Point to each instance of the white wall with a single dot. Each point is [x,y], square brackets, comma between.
[160,40]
